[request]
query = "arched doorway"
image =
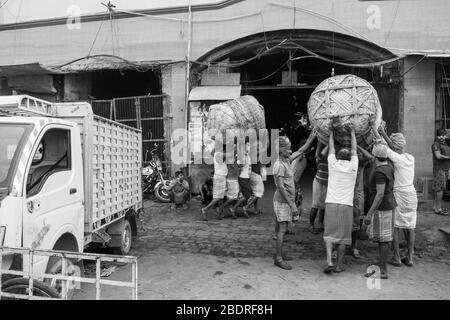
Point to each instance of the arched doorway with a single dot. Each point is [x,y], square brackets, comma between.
[264,59]
[281,69]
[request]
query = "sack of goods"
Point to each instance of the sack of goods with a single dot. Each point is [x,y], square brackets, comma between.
[234,115]
[349,98]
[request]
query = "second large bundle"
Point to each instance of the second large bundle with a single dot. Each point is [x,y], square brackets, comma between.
[242,113]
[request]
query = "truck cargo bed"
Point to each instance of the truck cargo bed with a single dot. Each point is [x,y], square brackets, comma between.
[112,154]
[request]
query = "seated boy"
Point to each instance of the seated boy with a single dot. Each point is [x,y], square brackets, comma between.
[179,191]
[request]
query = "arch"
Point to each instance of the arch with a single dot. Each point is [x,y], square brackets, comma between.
[342,47]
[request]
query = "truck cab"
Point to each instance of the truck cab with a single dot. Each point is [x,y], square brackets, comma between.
[41,183]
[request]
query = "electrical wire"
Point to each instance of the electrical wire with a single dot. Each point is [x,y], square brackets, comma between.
[392,23]
[95,38]
[4,4]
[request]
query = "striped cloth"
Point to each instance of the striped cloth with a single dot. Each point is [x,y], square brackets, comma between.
[338,223]
[257,185]
[219,186]
[406,211]
[282,211]
[381,227]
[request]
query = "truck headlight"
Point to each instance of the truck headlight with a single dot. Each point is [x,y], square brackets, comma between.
[2,235]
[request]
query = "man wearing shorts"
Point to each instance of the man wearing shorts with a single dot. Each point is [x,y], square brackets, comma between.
[441,165]
[219,182]
[284,199]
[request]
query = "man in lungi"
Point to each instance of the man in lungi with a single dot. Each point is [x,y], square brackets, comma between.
[441,167]
[405,214]
[219,182]
[381,213]
[284,199]
[342,171]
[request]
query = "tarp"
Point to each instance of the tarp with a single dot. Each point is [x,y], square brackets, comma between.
[215,93]
[26,69]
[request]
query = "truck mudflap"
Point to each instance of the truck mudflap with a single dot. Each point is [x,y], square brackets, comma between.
[28,285]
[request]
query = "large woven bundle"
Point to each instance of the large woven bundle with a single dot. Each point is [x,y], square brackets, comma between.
[347,97]
[242,113]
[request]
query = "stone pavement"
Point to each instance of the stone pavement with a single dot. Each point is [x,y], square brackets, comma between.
[178,231]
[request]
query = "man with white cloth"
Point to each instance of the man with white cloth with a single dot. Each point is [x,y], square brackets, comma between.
[405,214]
[342,171]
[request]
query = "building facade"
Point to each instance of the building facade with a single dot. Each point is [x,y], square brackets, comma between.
[276,50]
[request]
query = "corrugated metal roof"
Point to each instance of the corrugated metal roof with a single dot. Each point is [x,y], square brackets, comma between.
[26,69]
[215,93]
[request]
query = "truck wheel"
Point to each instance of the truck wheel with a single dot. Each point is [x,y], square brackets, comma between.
[55,267]
[161,193]
[125,246]
[20,286]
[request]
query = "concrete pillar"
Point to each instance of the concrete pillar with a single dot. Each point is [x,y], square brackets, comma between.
[173,86]
[419,104]
[77,86]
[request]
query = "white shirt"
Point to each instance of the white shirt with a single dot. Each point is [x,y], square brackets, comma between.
[403,168]
[246,168]
[341,180]
[220,167]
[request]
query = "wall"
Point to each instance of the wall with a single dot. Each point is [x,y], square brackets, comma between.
[173,86]
[419,112]
[77,87]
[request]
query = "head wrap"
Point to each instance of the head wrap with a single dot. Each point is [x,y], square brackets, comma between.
[284,143]
[398,140]
[380,150]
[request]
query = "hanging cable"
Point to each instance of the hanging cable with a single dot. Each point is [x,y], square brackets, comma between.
[392,22]
[4,4]
[96,35]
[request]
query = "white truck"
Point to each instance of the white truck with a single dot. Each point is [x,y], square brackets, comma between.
[67,178]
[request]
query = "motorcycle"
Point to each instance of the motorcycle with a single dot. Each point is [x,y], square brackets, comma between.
[152,178]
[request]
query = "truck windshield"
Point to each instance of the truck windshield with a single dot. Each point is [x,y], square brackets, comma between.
[12,140]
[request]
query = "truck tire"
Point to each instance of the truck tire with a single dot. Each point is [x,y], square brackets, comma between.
[161,193]
[125,245]
[20,286]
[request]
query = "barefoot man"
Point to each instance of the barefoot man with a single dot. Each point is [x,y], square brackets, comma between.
[342,171]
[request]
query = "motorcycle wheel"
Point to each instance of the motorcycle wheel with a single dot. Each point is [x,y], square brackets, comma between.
[161,193]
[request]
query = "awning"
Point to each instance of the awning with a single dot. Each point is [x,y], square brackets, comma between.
[25,69]
[215,93]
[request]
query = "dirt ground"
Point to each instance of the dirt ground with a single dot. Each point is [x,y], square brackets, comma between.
[182,257]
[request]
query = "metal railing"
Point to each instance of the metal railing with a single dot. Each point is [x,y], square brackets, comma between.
[64,277]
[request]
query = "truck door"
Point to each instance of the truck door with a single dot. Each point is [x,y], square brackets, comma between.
[54,189]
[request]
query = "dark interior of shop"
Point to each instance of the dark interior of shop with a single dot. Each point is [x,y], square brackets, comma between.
[109,84]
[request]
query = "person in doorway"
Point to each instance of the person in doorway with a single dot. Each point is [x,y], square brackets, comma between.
[405,214]
[380,217]
[178,190]
[206,190]
[441,167]
[283,200]
[219,182]
[342,171]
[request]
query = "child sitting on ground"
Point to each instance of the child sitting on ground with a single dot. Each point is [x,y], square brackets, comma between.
[179,191]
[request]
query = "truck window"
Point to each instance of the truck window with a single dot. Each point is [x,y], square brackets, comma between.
[51,156]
